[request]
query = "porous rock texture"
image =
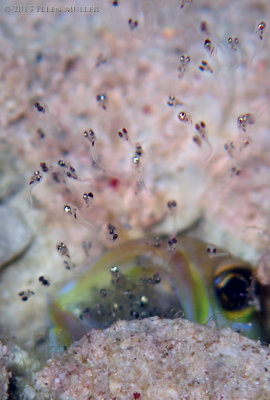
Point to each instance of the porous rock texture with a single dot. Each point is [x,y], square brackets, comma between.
[157,359]
[5,375]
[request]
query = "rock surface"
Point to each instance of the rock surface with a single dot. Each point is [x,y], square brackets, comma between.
[5,375]
[15,235]
[157,359]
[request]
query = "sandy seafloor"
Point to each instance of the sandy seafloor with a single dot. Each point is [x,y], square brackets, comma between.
[64,58]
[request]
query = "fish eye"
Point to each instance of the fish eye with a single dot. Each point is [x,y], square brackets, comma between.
[236,288]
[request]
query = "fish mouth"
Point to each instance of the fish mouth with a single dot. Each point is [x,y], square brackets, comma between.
[136,281]
[126,299]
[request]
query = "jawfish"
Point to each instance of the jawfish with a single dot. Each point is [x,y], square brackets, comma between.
[147,277]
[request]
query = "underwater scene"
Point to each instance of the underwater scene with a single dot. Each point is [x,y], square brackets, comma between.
[135,199]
